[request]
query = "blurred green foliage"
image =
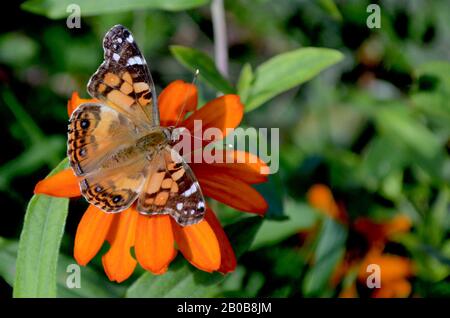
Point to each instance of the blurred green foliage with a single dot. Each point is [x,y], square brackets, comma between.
[374,127]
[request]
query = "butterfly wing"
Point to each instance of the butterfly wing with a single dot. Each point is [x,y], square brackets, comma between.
[115,189]
[172,188]
[123,80]
[102,150]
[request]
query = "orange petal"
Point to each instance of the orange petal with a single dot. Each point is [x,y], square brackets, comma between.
[199,245]
[228,259]
[320,197]
[76,101]
[91,233]
[118,262]
[175,101]
[400,288]
[232,192]
[237,164]
[392,267]
[222,113]
[62,184]
[154,245]
[381,232]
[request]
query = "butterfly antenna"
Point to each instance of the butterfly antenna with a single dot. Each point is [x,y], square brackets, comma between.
[197,72]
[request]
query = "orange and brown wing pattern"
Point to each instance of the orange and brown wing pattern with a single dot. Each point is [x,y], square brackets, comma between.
[115,189]
[102,151]
[123,80]
[96,133]
[171,188]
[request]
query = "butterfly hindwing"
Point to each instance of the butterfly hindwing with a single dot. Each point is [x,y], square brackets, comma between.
[123,80]
[171,188]
[115,189]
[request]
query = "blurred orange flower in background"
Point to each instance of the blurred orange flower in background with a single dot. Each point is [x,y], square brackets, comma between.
[395,270]
[156,239]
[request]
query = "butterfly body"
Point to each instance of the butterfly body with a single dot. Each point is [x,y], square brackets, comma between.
[117,147]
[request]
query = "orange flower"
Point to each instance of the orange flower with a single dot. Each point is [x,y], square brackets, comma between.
[395,270]
[205,245]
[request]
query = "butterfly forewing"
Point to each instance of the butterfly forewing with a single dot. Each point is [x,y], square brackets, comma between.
[172,188]
[123,80]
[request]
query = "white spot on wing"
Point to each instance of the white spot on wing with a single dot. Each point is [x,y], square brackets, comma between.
[119,40]
[130,39]
[116,57]
[179,206]
[189,191]
[135,60]
[201,204]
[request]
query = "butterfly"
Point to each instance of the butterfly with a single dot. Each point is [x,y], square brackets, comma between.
[117,147]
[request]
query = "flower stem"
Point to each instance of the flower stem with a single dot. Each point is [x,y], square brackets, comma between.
[220,36]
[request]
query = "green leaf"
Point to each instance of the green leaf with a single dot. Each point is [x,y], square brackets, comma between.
[8,254]
[183,280]
[180,281]
[398,122]
[300,216]
[194,59]
[17,49]
[33,158]
[288,70]
[39,245]
[273,193]
[245,82]
[57,9]
[330,7]
[93,284]
[329,251]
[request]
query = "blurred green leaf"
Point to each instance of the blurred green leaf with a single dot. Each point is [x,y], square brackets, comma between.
[17,49]
[381,157]
[288,70]
[183,280]
[194,59]
[40,239]
[8,254]
[33,158]
[440,69]
[438,220]
[300,216]
[26,122]
[397,122]
[57,9]
[245,82]
[273,193]
[330,7]
[329,251]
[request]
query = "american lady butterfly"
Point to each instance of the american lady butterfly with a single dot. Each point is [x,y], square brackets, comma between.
[117,146]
